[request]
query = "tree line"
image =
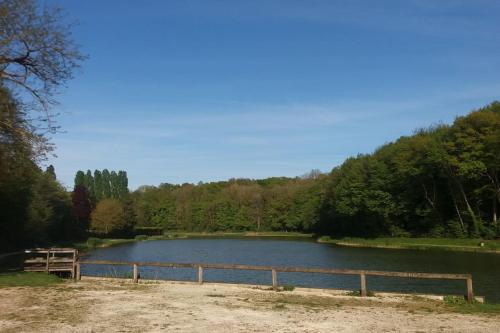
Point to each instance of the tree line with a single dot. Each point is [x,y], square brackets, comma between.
[101,202]
[37,56]
[284,204]
[34,207]
[103,184]
[441,181]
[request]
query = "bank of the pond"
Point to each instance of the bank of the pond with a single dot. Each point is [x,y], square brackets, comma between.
[93,243]
[448,244]
[110,305]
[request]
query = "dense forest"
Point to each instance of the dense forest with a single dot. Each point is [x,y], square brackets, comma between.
[441,181]
[34,207]
[37,57]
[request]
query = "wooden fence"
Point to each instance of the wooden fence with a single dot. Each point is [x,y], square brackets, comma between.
[51,260]
[274,272]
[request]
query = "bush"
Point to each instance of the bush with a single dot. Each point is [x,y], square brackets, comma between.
[396,231]
[93,242]
[486,232]
[141,237]
[288,287]
[455,229]
[437,231]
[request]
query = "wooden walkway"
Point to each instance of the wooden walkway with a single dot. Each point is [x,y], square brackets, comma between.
[274,272]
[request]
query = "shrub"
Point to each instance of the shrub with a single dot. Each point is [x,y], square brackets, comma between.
[455,229]
[141,237]
[93,242]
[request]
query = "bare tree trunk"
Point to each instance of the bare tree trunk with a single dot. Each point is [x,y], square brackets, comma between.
[458,211]
[429,200]
[469,208]
[496,198]
[455,203]
[495,211]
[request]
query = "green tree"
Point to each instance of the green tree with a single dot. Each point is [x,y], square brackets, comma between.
[108,217]
[98,185]
[50,215]
[79,178]
[106,184]
[51,171]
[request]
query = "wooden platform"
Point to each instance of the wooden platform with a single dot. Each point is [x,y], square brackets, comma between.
[51,260]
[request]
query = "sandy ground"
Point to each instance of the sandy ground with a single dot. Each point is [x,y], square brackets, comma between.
[107,305]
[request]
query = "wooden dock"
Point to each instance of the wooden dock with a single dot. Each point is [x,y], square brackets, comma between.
[51,260]
[200,267]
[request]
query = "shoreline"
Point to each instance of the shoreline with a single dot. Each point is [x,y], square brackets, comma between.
[422,244]
[107,305]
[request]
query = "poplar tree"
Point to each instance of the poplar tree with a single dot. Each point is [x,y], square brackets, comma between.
[98,185]
[114,185]
[106,184]
[89,183]
[79,178]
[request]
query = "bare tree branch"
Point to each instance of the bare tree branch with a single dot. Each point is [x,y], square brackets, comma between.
[37,54]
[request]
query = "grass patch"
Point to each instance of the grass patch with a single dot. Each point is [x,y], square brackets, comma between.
[93,243]
[310,302]
[216,295]
[459,304]
[369,293]
[454,244]
[28,279]
[277,234]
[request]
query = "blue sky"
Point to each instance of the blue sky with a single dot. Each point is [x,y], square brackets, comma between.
[188,91]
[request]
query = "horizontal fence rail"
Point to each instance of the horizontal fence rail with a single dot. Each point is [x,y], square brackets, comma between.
[274,270]
[51,260]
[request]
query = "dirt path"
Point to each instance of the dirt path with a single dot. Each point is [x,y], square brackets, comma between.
[106,305]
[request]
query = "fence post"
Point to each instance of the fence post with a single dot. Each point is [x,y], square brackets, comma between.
[200,275]
[78,272]
[136,273]
[275,278]
[48,258]
[362,292]
[470,293]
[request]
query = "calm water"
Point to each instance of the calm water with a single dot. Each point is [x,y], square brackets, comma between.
[485,268]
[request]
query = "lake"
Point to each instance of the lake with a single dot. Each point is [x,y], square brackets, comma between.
[484,267]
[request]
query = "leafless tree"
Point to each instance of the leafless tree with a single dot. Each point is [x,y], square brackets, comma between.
[37,55]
